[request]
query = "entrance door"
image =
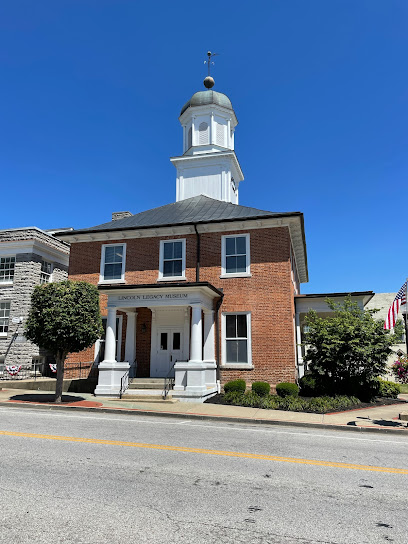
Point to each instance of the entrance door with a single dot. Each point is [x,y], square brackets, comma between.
[170,350]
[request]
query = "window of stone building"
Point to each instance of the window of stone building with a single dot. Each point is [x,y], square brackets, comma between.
[235,255]
[7,265]
[236,333]
[4,317]
[113,263]
[46,271]
[172,259]
[2,363]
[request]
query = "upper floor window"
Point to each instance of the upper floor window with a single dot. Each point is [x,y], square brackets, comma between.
[7,265]
[46,270]
[113,263]
[172,259]
[235,255]
[4,317]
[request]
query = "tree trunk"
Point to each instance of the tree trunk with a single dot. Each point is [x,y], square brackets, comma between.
[60,359]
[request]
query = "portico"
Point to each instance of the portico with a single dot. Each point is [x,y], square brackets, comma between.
[182,340]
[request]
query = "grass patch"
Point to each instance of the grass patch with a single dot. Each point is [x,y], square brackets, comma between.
[404,388]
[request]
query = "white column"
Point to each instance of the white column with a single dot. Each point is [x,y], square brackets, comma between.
[130,345]
[112,373]
[196,349]
[110,339]
[193,132]
[209,332]
[301,369]
[212,133]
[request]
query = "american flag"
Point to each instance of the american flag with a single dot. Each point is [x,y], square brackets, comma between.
[399,300]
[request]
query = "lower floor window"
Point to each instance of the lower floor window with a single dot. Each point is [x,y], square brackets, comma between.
[4,317]
[237,338]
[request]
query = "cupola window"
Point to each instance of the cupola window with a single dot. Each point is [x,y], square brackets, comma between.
[189,138]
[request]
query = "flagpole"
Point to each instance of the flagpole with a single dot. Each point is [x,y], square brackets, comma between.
[406,316]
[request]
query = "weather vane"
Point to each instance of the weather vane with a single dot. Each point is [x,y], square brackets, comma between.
[209,81]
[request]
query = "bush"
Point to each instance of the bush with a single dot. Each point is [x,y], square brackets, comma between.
[261,388]
[235,385]
[233,397]
[389,390]
[285,389]
[307,384]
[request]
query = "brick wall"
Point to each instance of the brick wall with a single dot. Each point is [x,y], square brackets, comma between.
[268,295]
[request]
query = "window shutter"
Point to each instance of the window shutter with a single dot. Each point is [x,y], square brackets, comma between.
[220,134]
[203,134]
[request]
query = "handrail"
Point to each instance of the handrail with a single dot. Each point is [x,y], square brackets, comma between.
[124,383]
[168,381]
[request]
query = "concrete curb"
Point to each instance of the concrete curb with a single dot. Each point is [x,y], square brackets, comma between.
[205,417]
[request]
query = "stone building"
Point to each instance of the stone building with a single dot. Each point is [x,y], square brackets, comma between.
[201,289]
[28,257]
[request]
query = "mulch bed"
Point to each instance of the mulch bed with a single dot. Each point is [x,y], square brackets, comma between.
[219,399]
[67,400]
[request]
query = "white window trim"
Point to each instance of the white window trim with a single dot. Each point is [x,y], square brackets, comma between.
[102,269]
[9,282]
[247,273]
[183,261]
[4,334]
[118,336]
[224,364]
[50,279]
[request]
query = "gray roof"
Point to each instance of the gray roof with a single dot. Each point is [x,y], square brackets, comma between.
[198,209]
[202,98]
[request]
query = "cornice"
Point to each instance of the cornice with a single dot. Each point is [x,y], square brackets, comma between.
[206,157]
[294,224]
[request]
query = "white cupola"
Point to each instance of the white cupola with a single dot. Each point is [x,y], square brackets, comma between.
[208,165]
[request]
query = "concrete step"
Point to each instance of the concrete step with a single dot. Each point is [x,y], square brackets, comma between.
[147,395]
[146,380]
[146,385]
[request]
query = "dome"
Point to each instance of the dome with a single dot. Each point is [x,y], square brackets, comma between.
[203,98]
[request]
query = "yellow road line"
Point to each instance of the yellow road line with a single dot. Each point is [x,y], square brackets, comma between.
[208,452]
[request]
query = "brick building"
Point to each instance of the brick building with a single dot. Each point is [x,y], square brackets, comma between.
[201,289]
[28,257]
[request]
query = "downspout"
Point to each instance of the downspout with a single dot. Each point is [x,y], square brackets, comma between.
[198,257]
[217,336]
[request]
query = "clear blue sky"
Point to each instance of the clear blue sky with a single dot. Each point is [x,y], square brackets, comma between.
[91,91]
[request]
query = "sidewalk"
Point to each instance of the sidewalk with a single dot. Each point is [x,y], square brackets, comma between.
[382,418]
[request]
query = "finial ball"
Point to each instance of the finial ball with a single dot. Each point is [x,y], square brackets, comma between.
[209,82]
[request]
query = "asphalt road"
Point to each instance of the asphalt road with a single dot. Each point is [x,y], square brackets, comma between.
[96,478]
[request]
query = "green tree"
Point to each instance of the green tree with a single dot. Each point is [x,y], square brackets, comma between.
[347,351]
[64,318]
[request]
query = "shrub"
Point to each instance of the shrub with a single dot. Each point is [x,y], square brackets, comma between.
[307,384]
[389,390]
[261,388]
[233,397]
[400,369]
[285,389]
[251,400]
[235,385]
